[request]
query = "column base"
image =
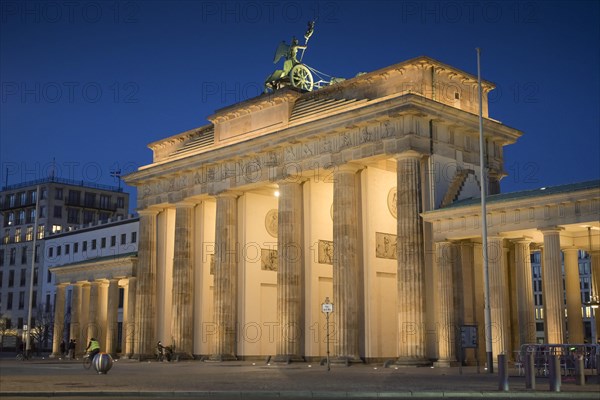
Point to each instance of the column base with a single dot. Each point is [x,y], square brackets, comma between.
[221,357]
[343,361]
[181,356]
[446,363]
[412,362]
[55,355]
[286,359]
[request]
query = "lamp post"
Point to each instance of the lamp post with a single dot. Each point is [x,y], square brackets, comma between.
[486,276]
[35,223]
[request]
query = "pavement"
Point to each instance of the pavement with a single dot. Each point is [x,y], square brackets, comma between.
[44,378]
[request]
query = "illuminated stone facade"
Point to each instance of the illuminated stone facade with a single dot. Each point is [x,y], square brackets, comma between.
[206,275]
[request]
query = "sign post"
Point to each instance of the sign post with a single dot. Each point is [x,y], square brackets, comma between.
[327,308]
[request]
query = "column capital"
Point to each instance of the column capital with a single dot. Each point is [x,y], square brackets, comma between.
[149,212]
[522,240]
[408,154]
[551,229]
[186,204]
[228,194]
[348,168]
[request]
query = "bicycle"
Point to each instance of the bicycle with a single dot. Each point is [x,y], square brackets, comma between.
[87,361]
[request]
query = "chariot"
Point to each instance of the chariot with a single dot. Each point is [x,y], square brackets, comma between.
[294,72]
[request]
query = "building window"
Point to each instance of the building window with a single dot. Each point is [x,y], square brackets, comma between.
[113,241]
[123,238]
[11,200]
[21,217]
[6,239]
[120,202]
[103,243]
[84,245]
[24,255]
[29,234]
[74,197]
[43,193]
[89,199]
[50,252]
[133,237]
[17,235]
[22,198]
[21,300]
[13,256]
[57,211]
[49,276]
[9,301]
[72,216]
[10,219]
[37,253]
[105,202]
[56,228]
[41,232]
[1,278]
[23,277]
[58,250]
[67,248]
[88,216]
[35,279]
[58,193]
[76,247]
[47,308]
[93,244]
[42,211]
[30,216]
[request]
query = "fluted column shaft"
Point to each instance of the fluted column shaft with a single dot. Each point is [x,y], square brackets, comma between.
[225,288]
[93,326]
[111,316]
[497,280]
[181,326]
[573,289]
[525,303]
[289,274]
[75,326]
[411,261]
[552,286]
[129,323]
[446,321]
[83,336]
[595,269]
[59,320]
[145,304]
[345,263]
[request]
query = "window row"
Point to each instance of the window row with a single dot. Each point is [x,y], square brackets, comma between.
[75,247]
[22,278]
[24,254]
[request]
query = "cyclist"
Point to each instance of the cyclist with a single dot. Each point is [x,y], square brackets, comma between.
[93,348]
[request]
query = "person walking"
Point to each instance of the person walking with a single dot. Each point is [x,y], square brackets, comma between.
[71,354]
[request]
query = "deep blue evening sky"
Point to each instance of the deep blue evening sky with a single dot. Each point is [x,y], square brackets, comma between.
[91,83]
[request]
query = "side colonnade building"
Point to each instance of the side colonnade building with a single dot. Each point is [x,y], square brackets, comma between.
[247,224]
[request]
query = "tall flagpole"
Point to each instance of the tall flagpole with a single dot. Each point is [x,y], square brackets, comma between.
[35,228]
[486,276]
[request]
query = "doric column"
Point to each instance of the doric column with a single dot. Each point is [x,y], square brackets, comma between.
[183,292]
[225,278]
[129,320]
[82,336]
[93,326]
[345,263]
[145,303]
[524,283]
[289,275]
[497,280]
[411,261]
[111,316]
[59,320]
[595,269]
[552,287]
[573,289]
[75,326]
[446,326]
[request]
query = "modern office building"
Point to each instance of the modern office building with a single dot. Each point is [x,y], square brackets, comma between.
[62,205]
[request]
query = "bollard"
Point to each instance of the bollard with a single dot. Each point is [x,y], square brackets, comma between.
[530,371]
[554,372]
[579,371]
[502,372]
